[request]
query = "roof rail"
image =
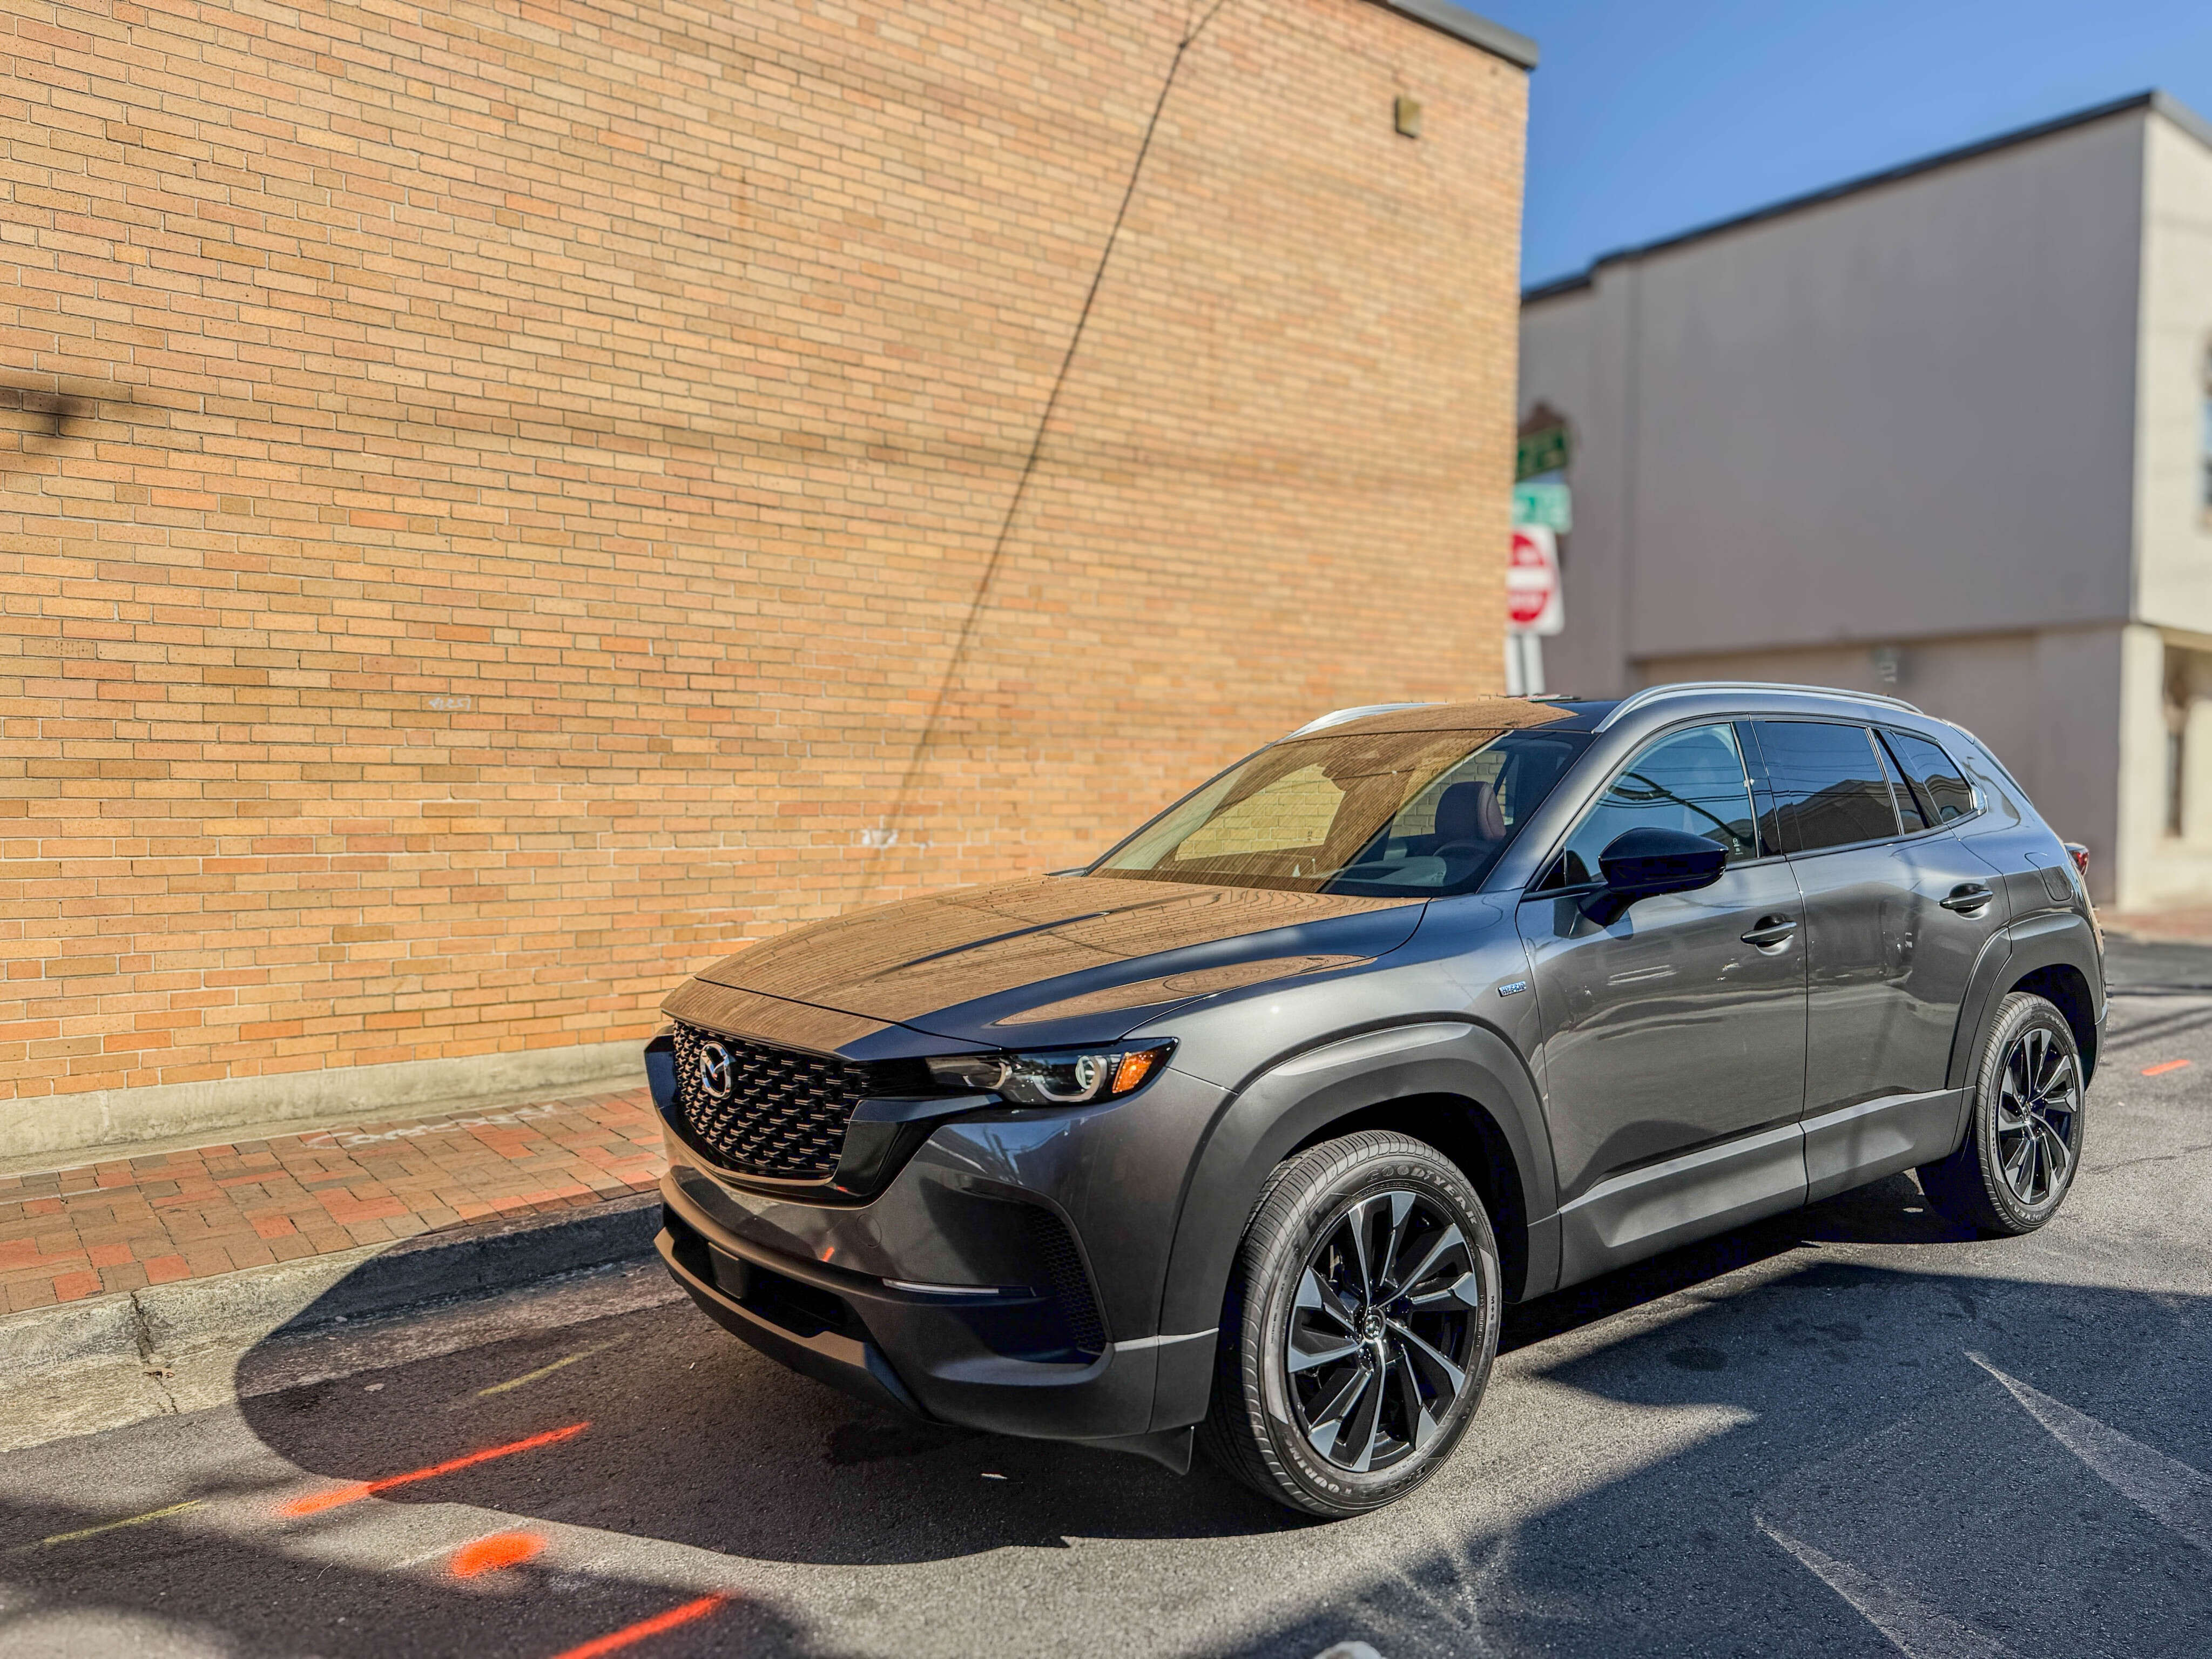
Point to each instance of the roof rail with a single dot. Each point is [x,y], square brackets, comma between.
[1339,716]
[1685,688]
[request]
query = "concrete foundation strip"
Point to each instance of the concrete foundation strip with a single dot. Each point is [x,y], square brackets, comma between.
[108,1121]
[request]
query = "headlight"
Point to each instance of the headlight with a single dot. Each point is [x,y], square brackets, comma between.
[1062,1077]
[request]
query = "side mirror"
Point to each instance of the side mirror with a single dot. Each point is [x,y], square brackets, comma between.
[1643,863]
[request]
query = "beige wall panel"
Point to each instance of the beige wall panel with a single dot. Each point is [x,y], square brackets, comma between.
[2085,679]
[1906,413]
[2173,528]
[2146,870]
[2047,704]
[1986,685]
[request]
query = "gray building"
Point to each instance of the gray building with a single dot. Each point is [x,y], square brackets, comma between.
[1944,432]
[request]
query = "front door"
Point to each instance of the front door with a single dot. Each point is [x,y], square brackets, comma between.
[1673,1052]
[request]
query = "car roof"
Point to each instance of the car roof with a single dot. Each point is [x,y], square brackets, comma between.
[1764,697]
[1571,714]
[1471,714]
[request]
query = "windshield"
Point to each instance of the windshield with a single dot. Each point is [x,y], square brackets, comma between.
[1378,815]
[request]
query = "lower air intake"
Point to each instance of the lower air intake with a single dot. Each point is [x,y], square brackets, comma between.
[1067,1283]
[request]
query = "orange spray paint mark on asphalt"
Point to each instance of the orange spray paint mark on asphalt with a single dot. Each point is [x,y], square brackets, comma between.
[360,1489]
[2163,1067]
[500,1550]
[645,1627]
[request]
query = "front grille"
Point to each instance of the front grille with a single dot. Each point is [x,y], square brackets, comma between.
[1066,1282]
[785,1116]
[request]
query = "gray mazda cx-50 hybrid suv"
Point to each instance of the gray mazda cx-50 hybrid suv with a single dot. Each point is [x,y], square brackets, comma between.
[1245,1132]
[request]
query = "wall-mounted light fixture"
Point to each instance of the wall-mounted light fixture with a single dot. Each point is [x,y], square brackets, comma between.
[1407,113]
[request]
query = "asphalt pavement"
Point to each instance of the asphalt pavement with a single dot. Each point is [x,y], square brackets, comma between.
[1850,1431]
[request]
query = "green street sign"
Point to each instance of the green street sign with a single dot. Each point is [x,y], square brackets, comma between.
[1547,504]
[1540,452]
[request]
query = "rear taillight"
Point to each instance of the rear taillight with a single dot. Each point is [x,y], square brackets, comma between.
[2079,855]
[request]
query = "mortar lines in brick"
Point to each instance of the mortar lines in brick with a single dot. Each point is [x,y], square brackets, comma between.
[217,1209]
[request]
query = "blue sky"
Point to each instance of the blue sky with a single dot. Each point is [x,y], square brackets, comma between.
[1647,119]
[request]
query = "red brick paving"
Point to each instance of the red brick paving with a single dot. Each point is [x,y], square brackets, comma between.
[66,1234]
[2172,927]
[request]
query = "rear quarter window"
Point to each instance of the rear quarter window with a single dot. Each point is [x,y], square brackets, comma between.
[1936,779]
[1999,802]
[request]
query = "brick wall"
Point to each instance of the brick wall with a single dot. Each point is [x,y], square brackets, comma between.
[489,493]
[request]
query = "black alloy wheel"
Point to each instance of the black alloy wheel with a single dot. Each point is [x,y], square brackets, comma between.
[1362,1322]
[1382,1327]
[2023,1140]
[2037,1106]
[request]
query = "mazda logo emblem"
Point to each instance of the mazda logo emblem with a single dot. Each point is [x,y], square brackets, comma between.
[718,1073]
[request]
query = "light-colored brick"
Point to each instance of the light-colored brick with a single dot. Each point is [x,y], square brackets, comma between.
[488,498]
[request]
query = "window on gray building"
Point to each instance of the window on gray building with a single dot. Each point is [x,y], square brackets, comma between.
[2204,439]
[2188,742]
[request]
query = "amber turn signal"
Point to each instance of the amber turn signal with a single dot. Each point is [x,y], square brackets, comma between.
[1135,1069]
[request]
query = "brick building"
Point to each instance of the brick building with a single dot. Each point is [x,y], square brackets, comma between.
[499,503]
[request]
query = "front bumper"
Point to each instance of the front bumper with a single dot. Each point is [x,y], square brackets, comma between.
[1008,1278]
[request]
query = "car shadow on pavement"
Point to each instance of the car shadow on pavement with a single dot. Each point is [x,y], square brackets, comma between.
[180,1592]
[697,1440]
[1790,1457]
[1892,1212]
[1848,1454]
[1847,1460]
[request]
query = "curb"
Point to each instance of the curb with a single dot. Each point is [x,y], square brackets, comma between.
[292,1296]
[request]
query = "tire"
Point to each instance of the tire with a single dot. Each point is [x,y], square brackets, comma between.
[1396,1350]
[2023,1139]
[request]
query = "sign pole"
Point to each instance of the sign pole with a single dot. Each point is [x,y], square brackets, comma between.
[1524,665]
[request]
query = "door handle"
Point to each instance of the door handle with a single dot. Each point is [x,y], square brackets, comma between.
[1968,897]
[1772,930]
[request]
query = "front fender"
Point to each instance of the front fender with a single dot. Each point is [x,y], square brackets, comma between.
[1301,1095]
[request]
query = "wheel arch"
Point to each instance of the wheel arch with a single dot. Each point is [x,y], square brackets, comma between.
[1466,1133]
[2066,987]
[2055,957]
[1436,1079]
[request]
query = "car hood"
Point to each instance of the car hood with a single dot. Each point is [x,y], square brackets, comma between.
[1059,960]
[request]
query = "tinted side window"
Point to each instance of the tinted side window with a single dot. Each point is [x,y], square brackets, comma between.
[1910,811]
[1935,776]
[1692,780]
[1827,783]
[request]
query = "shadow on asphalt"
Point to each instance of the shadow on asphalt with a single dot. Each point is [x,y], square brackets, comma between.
[1892,1212]
[173,1592]
[2156,967]
[1850,1418]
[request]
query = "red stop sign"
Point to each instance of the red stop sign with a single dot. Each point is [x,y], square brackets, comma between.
[1532,580]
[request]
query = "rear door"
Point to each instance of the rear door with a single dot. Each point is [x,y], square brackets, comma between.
[1674,1054]
[1954,907]
[1896,911]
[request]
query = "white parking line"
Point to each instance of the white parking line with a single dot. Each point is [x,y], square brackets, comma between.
[2169,1490]
[1918,1631]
